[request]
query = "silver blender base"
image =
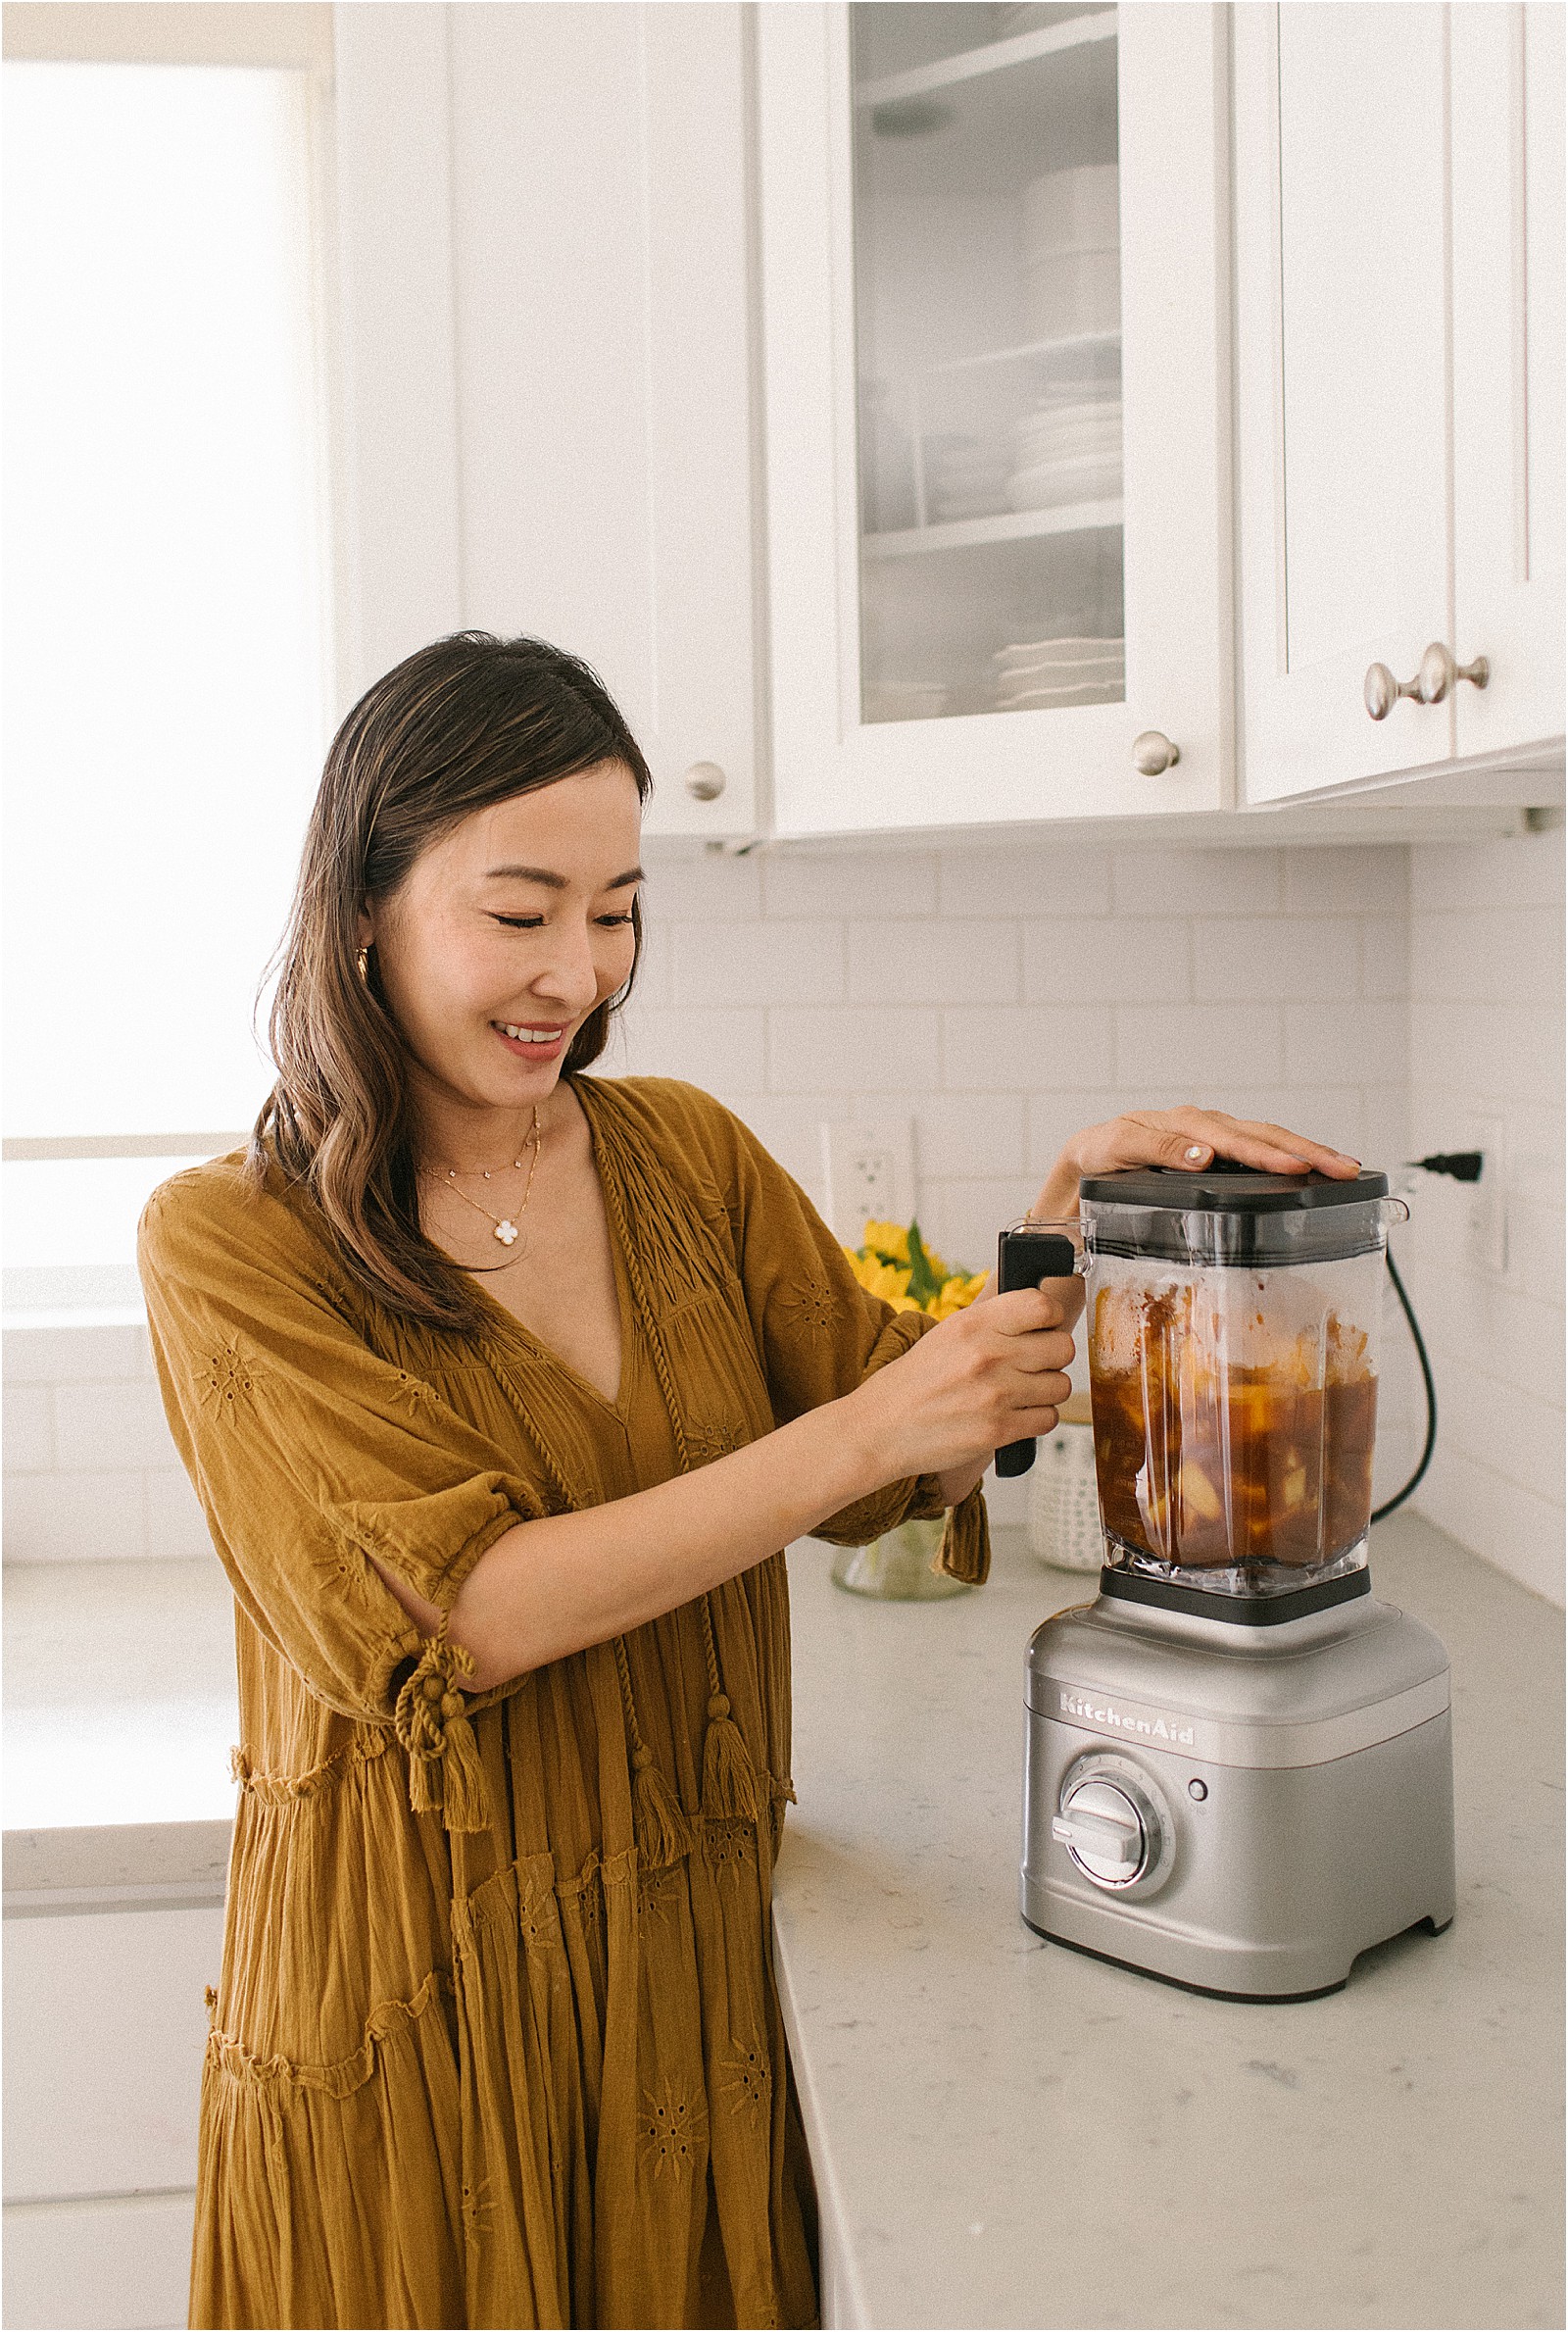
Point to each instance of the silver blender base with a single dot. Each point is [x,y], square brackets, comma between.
[1240,1810]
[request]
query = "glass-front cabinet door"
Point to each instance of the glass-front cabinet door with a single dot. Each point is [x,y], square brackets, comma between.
[997,411]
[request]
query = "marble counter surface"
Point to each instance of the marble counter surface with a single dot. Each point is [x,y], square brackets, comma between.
[1008,2133]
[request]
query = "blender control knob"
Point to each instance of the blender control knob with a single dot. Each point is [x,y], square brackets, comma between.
[1109,1829]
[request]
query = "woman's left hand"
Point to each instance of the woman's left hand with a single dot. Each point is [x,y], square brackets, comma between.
[1189,1138]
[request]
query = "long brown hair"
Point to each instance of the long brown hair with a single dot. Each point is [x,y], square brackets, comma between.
[466,722]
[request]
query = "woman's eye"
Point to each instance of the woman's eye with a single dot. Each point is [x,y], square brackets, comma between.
[521,923]
[615,918]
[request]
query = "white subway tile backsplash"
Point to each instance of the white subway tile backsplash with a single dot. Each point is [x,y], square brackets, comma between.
[1351,879]
[1319,1039]
[1278,958]
[1106,959]
[1024,1048]
[1465,877]
[956,1134]
[757,963]
[1493,955]
[931,962]
[961,1217]
[175,1524]
[104,1428]
[1507,1525]
[701,889]
[1493,1052]
[719,1048]
[61,1355]
[74,1517]
[1198,1044]
[1385,956]
[1029,878]
[851,1048]
[1178,881]
[30,1432]
[857,886]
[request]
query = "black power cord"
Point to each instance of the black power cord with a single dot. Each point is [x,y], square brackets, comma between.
[1401,1495]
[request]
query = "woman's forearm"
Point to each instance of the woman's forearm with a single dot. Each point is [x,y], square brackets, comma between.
[565,1581]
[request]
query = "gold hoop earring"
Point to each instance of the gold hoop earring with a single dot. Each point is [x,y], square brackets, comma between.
[363,962]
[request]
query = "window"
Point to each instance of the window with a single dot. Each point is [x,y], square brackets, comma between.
[167,619]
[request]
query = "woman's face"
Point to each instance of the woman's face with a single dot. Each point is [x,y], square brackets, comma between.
[505,936]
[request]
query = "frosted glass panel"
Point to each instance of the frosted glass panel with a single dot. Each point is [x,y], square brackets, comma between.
[988,332]
[166,701]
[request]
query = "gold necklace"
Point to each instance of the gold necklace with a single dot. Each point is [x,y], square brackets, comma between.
[506,1231]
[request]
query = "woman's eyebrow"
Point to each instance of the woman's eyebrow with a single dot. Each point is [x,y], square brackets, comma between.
[558,882]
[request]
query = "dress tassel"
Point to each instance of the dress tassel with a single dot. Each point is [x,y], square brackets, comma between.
[965,1552]
[729,1778]
[661,1828]
[431,1723]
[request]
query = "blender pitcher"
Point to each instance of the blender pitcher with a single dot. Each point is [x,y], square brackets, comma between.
[1232,1329]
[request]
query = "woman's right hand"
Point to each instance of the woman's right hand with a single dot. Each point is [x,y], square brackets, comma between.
[993,1373]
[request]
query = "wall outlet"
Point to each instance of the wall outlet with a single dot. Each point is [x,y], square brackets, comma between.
[868,1171]
[1487,1224]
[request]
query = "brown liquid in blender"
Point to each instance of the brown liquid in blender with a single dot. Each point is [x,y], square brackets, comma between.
[1214,1468]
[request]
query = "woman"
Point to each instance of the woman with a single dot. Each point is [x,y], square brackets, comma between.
[504,1387]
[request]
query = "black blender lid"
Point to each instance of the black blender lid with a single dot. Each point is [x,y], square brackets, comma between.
[1226,1188]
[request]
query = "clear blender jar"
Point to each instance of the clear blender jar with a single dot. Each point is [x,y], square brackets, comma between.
[1233,1328]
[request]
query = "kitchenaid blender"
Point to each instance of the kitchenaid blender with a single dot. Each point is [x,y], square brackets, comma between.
[1237,1771]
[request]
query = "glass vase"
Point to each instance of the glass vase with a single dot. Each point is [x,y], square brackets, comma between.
[896,1567]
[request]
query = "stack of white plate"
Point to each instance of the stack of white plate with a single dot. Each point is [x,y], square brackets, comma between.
[1038,674]
[1072,252]
[1068,452]
[907,700]
[967,477]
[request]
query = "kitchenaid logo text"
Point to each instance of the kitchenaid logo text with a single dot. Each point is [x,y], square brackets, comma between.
[1085,1707]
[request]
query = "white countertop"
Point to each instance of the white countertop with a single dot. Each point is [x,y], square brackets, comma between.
[1009,2133]
[1004,2132]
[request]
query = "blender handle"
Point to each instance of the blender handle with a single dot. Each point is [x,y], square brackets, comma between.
[1024,1256]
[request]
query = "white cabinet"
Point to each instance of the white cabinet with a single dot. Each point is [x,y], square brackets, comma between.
[1508,328]
[993,259]
[545,420]
[1399,427]
[105,2030]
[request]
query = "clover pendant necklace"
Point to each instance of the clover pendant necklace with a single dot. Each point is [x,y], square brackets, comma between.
[505,1229]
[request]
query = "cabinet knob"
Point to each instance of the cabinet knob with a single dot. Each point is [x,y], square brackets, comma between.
[1435,675]
[705,781]
[1153,752]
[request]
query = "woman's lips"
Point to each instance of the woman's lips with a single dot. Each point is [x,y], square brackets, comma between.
[522,1052]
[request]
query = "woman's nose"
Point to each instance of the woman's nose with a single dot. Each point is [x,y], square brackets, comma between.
[571,977]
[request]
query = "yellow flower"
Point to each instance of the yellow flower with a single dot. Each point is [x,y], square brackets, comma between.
[890,1239]
[956,1294]
[885,1280]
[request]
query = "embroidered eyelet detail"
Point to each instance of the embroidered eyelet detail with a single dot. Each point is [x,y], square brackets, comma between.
[475,2208]
[669,2131]
[225,1382]
[729,1846]
[709,1438]
[748,2081]
[412,1393]
[813,1307]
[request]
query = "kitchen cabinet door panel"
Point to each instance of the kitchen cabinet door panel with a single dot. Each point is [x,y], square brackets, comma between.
[105,2026]
[1508,70]
[1341,282]
[906,546]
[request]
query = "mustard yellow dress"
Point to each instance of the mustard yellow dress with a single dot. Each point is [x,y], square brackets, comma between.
[496,2040]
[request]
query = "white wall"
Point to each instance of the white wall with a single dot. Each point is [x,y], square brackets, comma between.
[1487,1035]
